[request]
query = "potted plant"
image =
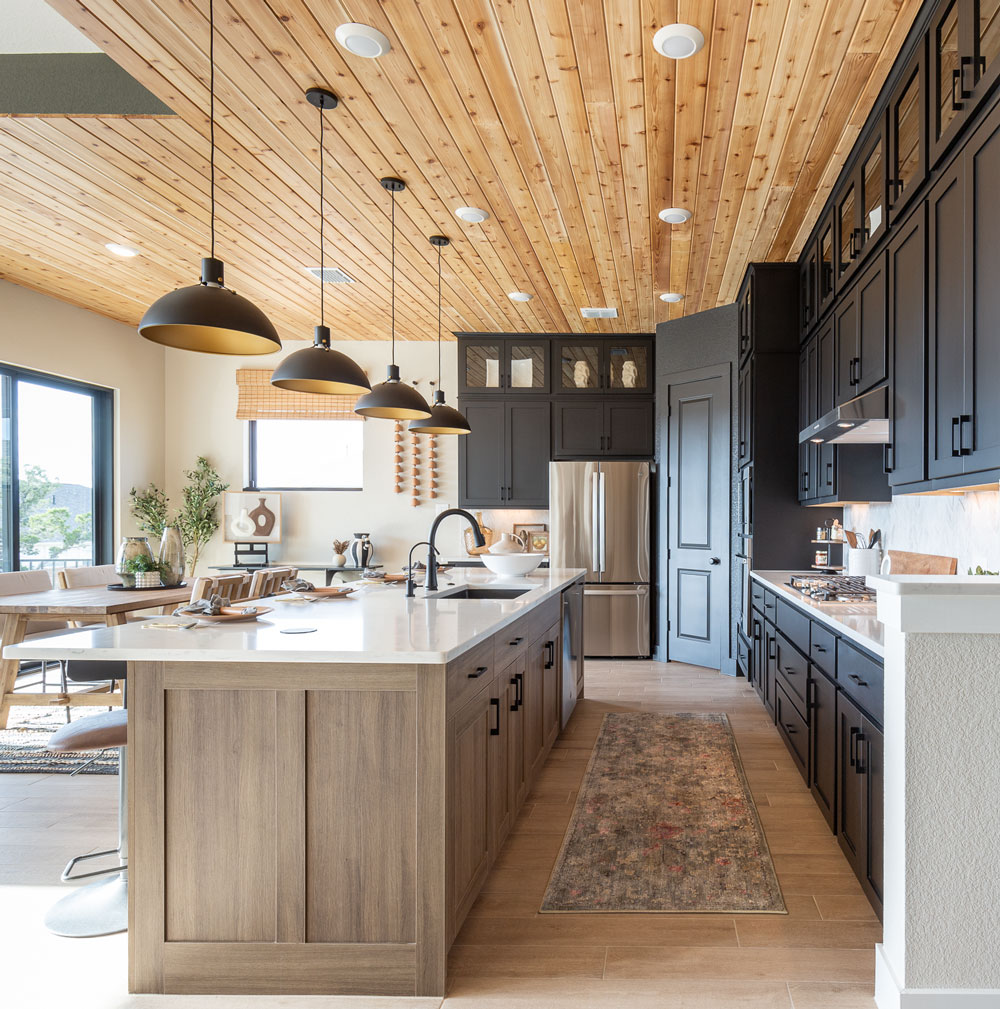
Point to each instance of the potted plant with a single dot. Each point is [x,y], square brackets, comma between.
[339,553]
[141,572]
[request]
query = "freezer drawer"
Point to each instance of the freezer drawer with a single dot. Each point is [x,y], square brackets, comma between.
[616,620]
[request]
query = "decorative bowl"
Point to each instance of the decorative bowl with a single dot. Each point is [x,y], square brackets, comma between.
[512,564]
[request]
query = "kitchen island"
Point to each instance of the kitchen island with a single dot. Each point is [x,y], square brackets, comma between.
[315,811]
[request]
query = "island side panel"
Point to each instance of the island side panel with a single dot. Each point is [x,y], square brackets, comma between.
[274,828]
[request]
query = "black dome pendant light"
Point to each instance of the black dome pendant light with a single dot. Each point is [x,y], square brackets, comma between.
[208,317]
[393,399]
[443,419]
[318,369]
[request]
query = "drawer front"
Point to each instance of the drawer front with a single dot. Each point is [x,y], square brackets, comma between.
[792,672]
[743,655]
[823,648]
[794,624]
[862,679]
[793,729]
[770,605]
[757,596]
[469,673]
[514,640]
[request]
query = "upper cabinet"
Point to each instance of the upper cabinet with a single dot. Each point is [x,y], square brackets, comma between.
[604,366]
[808,276]
[493,365]
[860,208]
[907,134]
[964,43]
[826,268]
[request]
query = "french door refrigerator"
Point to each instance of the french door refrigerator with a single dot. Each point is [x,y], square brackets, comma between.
[599,518]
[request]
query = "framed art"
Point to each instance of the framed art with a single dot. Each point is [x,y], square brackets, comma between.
[538,542]
[525,530]
[251,517]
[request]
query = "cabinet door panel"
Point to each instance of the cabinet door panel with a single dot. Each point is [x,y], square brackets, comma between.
[823,743]
[770,666]
[527,364]
[744,415]
[551,684]
[872,748]
[628,429]
[847,347]
[870,366]
[827,286]
[908,342]
[982,365]
[949,102]
[579,429]
[512,680]
[578,367]
[481,366]
[482,454]
[907,136]
[501,807]
[533,707]
[528,453]
[628,366]
[946,323]
[851,784]
[805,409]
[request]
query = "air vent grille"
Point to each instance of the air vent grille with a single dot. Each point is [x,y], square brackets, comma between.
[599,313]
[330,275]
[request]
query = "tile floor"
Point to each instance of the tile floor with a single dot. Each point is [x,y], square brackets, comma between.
[819,956]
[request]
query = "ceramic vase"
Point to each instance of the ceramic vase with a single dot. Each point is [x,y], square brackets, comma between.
[131,546]
[630,374]
[171,557]
[147,580]
[263,519]
[507,544]
[361,550]
[338,561]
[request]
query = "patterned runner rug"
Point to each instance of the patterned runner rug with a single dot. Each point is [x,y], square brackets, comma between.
[664,822]
[23,751]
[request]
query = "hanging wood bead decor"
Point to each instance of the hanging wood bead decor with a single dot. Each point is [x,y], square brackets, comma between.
[415,469]
[431,468]
[397,458]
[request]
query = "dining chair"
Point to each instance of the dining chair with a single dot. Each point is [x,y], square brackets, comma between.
[230,587]
[17,583]
[267,581]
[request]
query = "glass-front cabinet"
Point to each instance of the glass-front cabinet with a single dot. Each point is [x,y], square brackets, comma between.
[907,135]
[860,207]
[628,367]
[510,365]
[579,367]
[826,284]
[605,365]
[964,64]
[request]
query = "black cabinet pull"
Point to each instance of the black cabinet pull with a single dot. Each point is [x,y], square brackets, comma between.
[805,480]
[818,648]
[495,730]
[510,492]
[859,765]
[790,670]
[956,74]
[479,672]
[515,642]
[857,240]
[964,61]
[551,660]
[850,746]
[607,447]
[770,652]
[829,474]
[857,679]
[963,420]
[956,448]
[887,459]
[857,371]
[789,728]
[518,681]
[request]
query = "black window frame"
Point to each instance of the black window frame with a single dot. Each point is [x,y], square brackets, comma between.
[251,482]
[102,436]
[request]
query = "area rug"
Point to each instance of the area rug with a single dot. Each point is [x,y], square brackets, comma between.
[664,823]
[22,746]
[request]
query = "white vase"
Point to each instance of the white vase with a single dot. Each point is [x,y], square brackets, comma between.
[147,579]
[507,544]
[338,561]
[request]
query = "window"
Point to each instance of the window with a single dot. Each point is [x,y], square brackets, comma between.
[55,472]
[305,454]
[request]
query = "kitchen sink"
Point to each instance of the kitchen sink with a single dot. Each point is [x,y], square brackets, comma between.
[483,592]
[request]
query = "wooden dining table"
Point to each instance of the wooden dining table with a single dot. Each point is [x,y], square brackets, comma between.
[90,605]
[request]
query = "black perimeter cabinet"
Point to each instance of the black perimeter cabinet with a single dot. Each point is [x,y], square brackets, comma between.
[533,399]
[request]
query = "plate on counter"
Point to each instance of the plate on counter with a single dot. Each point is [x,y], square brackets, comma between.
[327,592]
[233,614]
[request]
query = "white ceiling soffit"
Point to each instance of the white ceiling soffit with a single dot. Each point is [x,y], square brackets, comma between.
[32,26]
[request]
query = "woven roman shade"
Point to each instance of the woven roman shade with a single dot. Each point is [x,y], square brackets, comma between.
[259,400]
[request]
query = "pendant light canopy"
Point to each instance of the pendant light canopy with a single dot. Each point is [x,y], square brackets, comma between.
[318,369]
[444,419]
[208,317]
[393,399]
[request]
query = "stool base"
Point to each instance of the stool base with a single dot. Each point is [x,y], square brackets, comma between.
[99,908]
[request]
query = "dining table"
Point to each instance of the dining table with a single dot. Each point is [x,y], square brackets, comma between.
[99,603]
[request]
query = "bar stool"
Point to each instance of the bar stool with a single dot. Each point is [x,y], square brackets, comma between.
[101,907]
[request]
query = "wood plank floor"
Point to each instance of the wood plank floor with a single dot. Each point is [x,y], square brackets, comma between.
[819,956]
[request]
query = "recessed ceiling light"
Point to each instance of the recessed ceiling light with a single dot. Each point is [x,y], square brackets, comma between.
[519,296]
[672,297]
[125,251]
[473,215]
[674,215]
[678,41]
[362,40]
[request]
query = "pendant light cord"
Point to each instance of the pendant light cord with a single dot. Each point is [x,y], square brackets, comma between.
[211,112]
[439,318]
[322,262]
[393,277]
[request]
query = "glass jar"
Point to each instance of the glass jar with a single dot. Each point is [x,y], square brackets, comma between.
[130,547]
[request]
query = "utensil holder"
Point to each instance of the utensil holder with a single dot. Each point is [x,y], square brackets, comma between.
[863,561]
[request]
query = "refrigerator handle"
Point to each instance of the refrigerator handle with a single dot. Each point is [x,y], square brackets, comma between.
[603,520]
[595,527]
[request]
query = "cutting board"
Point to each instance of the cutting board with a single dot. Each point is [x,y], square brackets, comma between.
[904,563]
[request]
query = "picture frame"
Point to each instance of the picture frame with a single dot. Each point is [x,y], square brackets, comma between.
[251,517]
[524,531]
[538,542]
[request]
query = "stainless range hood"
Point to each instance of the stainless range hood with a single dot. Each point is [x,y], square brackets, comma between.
[860,421]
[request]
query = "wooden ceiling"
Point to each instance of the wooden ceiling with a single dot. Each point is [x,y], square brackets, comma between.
[557,117]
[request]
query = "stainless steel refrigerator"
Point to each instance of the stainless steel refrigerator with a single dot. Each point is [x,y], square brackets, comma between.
[599,518]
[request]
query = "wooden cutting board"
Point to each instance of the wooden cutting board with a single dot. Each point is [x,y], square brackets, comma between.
[904,563]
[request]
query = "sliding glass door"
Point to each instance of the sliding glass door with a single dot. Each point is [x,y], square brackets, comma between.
[55,472]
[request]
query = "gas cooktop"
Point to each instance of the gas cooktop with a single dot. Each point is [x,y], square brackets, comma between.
[833,588]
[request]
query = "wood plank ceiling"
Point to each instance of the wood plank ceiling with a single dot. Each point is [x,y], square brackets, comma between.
[557,117]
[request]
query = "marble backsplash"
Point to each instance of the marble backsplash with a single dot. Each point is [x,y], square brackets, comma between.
[965,526]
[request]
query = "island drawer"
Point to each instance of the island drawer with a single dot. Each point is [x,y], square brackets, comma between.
[770,606]
[514,640]
[757,596]
[861,678]
[469,672]
[793,729]
[823,649]
[793,671]
[794,624]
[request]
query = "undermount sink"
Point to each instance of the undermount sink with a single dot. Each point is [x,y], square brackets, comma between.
[485,592]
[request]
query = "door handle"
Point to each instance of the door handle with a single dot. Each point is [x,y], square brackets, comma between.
[956,448]
[850,745]
[518,682]
[479,672]
[789,670]
[551,660]
[964,61]
[495,730]
[956,75]
[962,447]
[515,642]
[604,518]
[859,765]
[887,459]
[715,560]
[595,519]
[789,727]
[857,679]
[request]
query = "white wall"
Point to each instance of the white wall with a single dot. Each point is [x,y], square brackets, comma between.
[50,336]
[966,526]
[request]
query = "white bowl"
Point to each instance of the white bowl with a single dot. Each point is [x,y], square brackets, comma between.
[512,564]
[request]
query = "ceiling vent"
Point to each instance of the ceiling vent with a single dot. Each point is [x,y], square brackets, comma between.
[330,275]
[599,313]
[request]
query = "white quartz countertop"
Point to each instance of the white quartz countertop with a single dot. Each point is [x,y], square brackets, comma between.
[858,622]
[376,624]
